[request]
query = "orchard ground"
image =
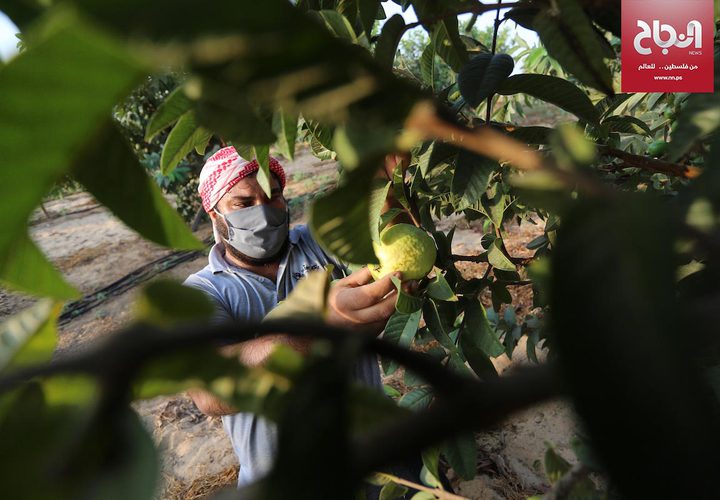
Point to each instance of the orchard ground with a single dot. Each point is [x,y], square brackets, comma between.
[94,249]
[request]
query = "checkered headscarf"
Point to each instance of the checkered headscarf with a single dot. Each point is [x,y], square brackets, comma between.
[226,168]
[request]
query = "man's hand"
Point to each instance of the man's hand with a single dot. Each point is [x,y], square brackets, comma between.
[357,301]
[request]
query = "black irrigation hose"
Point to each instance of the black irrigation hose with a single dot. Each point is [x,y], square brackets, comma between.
[76,308]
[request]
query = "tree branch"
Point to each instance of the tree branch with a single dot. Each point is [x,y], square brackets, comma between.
[652,164]
[463,404]
[478,8]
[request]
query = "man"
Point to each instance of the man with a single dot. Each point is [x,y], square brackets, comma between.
[256,262]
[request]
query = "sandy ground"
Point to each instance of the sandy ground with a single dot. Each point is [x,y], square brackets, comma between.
[92,249]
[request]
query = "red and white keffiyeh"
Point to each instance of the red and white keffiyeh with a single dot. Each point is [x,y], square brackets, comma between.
[226,168]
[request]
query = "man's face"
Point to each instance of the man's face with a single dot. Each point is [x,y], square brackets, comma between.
[247,193]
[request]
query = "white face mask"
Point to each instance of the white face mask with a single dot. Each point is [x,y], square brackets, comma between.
[259,231]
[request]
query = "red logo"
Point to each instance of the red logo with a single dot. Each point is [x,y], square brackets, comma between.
[667,46]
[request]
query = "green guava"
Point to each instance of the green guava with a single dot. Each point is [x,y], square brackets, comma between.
[657,148]
[404,248]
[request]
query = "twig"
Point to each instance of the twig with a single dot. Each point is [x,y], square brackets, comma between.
[518,261]
[424,121]
[471,9]
[197,219]
[652,164]
[488,111]
[469,258]
[441,494]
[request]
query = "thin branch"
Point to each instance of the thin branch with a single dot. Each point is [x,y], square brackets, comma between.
[652,164]
[469,258]
[518,261]
[424,121]
[518,283]
[488,111]
[471,9]
[441,494]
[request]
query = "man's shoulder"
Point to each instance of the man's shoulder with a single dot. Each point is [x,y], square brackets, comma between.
[203,279]
[301,233]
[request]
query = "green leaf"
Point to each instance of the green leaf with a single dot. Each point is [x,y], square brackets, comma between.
[570,38]
[175,372]
[231,116]
[555,465]
[390,391]
[321,140]
[175,105]
[699,117]
[423,495]
[431,464]
[134,474]
[340,221]
[461,454]
[24,267]
[405,303]
[472,177]
[557,91]
[60,101]
[391,491]
[368,11]
[180,142]
[400,329]
[477,359]
[625,246]
[439,289]
[307,301]
[337,24]
[387,43]
[627,125]
[359,142]
[378,196]
[531,135]
[476,330]
[164,302]
[438,324]
[436,153]
[262,155]
[498,259]
[427,65]
[285,126]
[448,44]
[29,337]
[111,172]
[417,399]
[482,75]
[571,147]
[202,139]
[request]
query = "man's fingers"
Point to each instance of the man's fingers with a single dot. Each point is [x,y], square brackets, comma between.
[358,278]
[379,311]
[372,293]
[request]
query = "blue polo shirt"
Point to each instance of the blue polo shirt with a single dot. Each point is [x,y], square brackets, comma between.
[241,295]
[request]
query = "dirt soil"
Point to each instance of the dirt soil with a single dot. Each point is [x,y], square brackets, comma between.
[92,248]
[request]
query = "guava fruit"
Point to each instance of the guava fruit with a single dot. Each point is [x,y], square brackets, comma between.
[657,148]
[404,248]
